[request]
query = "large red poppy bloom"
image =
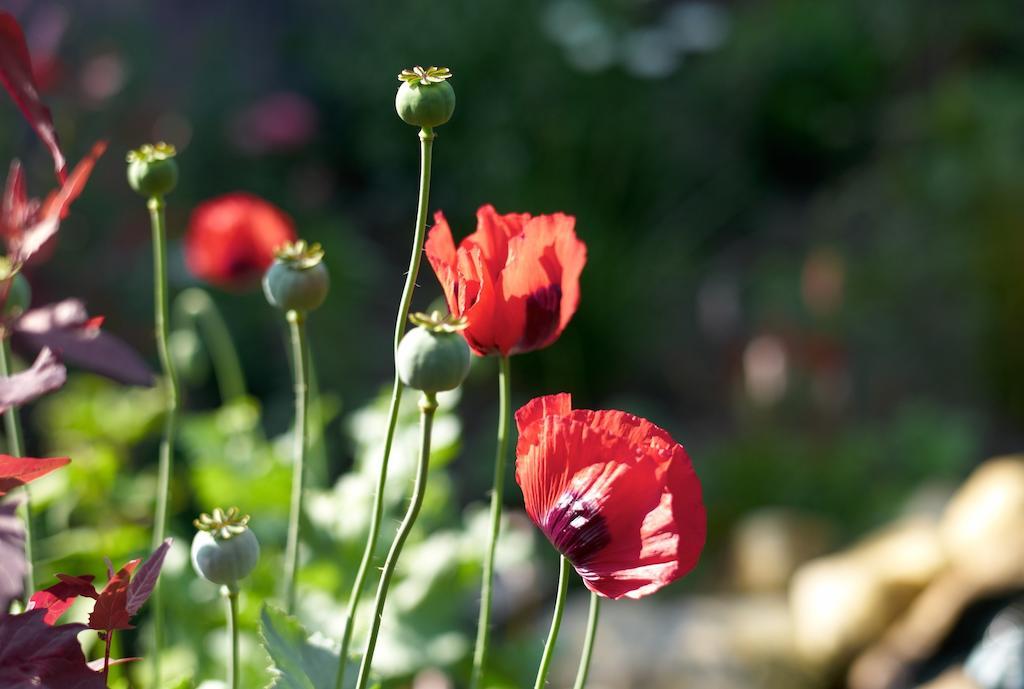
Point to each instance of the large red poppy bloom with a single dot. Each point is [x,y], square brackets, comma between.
[612,492]
[516,279]
[231,239]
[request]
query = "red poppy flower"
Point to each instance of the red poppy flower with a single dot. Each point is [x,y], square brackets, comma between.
[612,492]
[516,279]
[231,239]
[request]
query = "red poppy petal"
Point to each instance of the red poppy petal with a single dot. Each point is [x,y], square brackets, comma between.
[16,75]
[492,235]
[15,207]
[533,411]
[440,250]
[484,333]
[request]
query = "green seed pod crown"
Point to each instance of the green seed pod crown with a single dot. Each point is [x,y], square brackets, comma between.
[224,550]
[298,279]
[152,169]
[433,357]
[425,98]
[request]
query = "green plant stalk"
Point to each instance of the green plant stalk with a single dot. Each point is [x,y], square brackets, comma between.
[199,306]
[161,311]
[419,236]
[483,630]
[588,641]
[428,405]
[16,446]
[300,361]
[556,623]
[234,669]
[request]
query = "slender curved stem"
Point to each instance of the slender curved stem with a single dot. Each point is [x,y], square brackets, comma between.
[234,670]
[419,236]
[16,446]
[428,405]
[483,630]
[199,306]
[588,642]
[297,326]
[556,622]
[161,321]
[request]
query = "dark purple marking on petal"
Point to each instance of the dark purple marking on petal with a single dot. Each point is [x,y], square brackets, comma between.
[543,312]
[576,528]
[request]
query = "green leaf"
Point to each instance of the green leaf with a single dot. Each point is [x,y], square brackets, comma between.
[298,661]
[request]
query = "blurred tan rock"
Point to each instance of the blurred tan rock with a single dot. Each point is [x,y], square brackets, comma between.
[982,530]
[952,679]
[769,544]
[842,602]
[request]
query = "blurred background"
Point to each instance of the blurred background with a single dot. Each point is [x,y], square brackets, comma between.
[804,229]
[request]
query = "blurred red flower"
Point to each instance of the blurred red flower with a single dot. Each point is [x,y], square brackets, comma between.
[231,239]
[516,279]
[614,493]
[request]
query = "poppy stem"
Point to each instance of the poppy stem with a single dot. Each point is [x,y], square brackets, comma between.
[377,516]
[199,307]
[161,319]
[300,361]
[483,630]
[588,642]
[231,593]
[556,622]
[428,405]
[16,447]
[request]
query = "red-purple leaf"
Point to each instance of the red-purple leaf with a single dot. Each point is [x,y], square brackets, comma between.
[58,598]
[34,654]
[45,375]
[17,471]
[55,207]
[16,75]
[142,584]
[110,611]
[66,328]
[12,556]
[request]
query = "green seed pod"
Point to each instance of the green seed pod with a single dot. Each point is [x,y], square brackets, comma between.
[433,357]
[152,170]
[224,550]
[19,296]
[425,99]
[298,279]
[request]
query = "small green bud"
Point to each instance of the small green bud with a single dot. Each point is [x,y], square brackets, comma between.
[425,99]
[152,170]
[297,280]
[19,293]
[433,357]
[224,550]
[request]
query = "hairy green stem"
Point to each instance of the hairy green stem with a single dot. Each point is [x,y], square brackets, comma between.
[297,326]
[419,236]
[200,307]
[234,670]
[556,623]
[428,405]
[588,642]
[483,630]
[161,319]
[16,447]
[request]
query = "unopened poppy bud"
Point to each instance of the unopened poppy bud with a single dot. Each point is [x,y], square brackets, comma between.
[297,280]
[188,355]
[425,98]
[152,169]
[433,357]
[224,550]
[19,293]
